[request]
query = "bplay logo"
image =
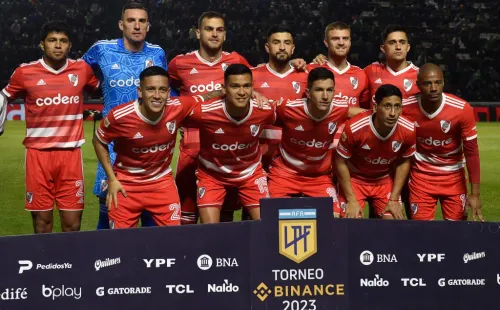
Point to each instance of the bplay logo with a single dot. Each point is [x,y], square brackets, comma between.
[226,287]
[14,294]
[205,262]
[63,291]
[367,258]
[159,262]
[26,265]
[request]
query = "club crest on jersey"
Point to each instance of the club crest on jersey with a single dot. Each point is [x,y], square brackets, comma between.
[331,127]
[414,208]
[407,84]
[111,224]
[254,130]
[396,145]
[73,79]
[445,126]
[354,82]
[201,192]
[29,197]
[149,63]
[224,66]
[171,127]
[296,87]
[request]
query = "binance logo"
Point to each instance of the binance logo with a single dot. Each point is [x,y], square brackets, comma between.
[262,291]
[297,234]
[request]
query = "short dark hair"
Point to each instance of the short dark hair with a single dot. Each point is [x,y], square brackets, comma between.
[336,26]
[55,26]
[387,90]
[236,69]
[319,74]
[133,6]
[279,28]
[393,28]
[209,14]
[152,71]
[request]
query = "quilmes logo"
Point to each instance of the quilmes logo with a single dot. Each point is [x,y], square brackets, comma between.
[473,256]
[99,264]
[297,234]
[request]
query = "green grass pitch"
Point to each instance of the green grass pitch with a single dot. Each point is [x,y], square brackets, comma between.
[15,220]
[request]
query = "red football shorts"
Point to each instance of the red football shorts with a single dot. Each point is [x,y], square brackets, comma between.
[54,175]
[376,195]
[160,199]
[283,183]
[212,190]
[450,191]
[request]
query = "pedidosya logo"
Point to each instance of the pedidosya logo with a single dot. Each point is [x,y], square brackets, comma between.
[297,234]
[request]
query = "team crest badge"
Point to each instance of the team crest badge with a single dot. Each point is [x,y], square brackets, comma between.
[104,185]
[343,206]
[296,87]
[201,192]
[445,126]
[354,82]
[396,145]
[414,208]
[73,79]
[171,127]
[29,197]
[331,127]
[111,224]
[254,130]
[149,63]
[224,66]
[297,234]
[407,84]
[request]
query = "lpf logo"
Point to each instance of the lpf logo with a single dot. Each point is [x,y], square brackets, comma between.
[297,234]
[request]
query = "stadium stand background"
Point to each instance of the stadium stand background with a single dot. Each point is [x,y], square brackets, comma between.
[462,36]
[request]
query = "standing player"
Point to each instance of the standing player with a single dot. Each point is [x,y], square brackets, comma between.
[304,162]
[120,62]
[230,154]
[52,88]
[446,131]
[373,158]
[144,132]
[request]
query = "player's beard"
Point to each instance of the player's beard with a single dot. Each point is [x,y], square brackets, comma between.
[280,60]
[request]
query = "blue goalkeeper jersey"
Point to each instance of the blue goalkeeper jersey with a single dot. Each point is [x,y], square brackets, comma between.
[119,70]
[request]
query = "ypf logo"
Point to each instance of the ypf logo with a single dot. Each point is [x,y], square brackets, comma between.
[297,234]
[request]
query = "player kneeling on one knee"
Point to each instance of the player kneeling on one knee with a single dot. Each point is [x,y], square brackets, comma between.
[373,159]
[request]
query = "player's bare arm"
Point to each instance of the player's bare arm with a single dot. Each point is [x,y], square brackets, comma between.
[474,203]
[320,59]
[114,186]
[394,205]
[471,154]
[353,209]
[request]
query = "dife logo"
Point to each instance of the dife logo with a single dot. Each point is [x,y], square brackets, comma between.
[14,294]
[205,88]
[313,143]
[57,100]
[379,160]
[56,292]
[179,289]
[153,149]
[297,234]
[125,83]
[232,147]
[432,142]
[226,287]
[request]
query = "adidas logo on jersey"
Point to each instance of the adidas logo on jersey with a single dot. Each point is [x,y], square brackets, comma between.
[378,81]
[299,128]
[264,85]
[115,67]
[138,136]
[219,131]
[193,71]
[41,82]
[366,147]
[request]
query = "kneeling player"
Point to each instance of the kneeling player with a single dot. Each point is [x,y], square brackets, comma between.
[230,154]
[373,158]
[304,162]
[144,132]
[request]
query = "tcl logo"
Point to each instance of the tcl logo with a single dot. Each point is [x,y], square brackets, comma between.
[125,83]
[379,160]
[313,143]
[57,100]
[432,142]
[232,147]
[155,148]
[350,100]
[205,88]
